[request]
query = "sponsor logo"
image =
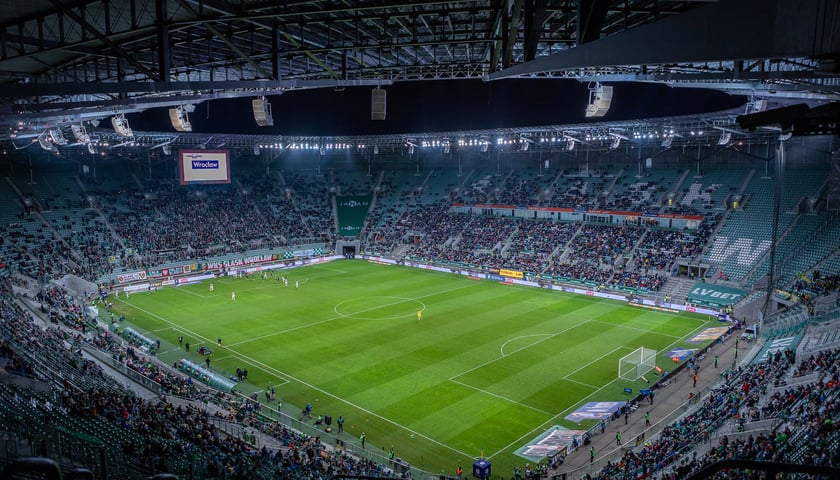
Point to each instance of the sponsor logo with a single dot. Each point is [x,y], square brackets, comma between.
[712,293]
[353,204]
[511,273]
[205,164]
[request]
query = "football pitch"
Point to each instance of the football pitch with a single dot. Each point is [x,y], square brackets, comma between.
[486,367]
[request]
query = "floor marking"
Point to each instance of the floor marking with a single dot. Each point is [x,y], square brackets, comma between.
[506,399]
[338,317]
[593,361]
[618,325]
[541,426]
[502,348]
[550,335]
[278,373]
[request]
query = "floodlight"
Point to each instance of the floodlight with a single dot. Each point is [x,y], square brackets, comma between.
[179,118]
[120,124]
[262,112]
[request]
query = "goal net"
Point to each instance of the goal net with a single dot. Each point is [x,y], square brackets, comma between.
[636,364]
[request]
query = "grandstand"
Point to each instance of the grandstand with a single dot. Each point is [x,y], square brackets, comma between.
[456,275]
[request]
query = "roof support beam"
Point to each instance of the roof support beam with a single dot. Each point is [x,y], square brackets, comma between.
[229,44]
[102,38]
[535,16]
[590,20]
[727,30]
[164,58]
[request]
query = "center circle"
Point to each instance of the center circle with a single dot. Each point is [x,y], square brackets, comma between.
[379,308]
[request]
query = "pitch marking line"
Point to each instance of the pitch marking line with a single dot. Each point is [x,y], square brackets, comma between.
[269,369]
[184,290]
[533,431]
[353,314]
[549,336]
[162,329]
[502,348]
[500,397]
[546,336]
[331,269]
[588,364]
[339,316]
[618,325]
[593,387]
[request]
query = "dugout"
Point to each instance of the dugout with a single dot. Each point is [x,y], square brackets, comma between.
[206,375]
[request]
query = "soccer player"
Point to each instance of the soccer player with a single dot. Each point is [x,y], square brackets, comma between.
[419,314]
[219,342]
[233,296]
[211,287]
[297,284]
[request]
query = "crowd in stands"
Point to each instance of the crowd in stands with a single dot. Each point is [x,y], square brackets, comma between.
[111,229]
[743,398]
[153,434]
[809,287]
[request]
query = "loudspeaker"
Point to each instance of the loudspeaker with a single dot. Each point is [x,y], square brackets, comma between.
[599,103]
[378,100]
[262,112]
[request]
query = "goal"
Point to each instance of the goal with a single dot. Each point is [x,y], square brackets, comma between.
[636,364]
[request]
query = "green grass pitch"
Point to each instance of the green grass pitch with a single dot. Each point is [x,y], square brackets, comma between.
[487,367]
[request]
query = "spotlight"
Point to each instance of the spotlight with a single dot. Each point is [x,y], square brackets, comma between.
[600,98]
[120,124]
[262,112]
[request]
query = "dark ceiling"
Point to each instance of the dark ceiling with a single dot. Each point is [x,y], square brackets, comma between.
[69,62]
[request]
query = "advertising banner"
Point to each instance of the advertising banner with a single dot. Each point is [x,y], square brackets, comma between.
[352,211]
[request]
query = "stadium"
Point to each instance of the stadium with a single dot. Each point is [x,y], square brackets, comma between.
[438,240]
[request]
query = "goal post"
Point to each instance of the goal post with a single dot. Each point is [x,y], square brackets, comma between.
[636,364]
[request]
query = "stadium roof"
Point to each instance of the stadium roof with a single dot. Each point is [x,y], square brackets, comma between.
[65,62]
